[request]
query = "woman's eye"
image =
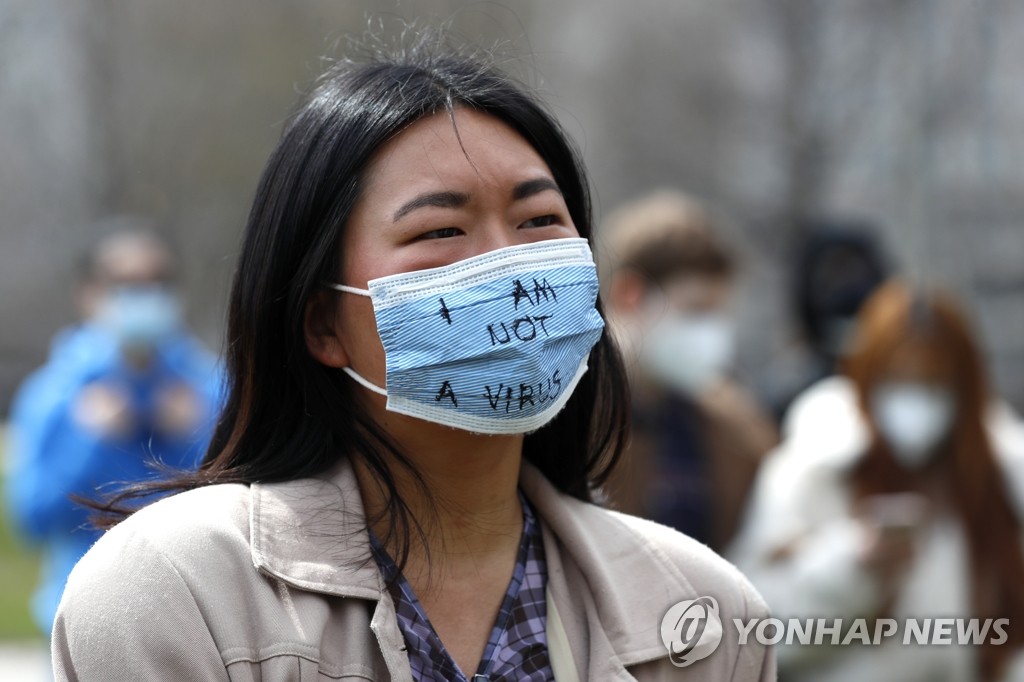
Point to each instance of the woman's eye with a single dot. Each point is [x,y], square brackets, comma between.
[541,221]
[443,233]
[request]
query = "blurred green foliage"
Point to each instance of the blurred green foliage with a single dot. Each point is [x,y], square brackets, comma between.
[19,568]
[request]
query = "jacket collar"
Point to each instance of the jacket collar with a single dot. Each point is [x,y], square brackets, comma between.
[311,533]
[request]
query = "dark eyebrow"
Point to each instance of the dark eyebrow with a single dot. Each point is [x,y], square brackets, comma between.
[456,199]
[531,187]
[438,199]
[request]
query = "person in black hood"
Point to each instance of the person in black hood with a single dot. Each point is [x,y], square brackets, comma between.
[838,264]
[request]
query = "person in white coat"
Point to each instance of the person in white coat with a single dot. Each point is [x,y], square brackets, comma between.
[896,493]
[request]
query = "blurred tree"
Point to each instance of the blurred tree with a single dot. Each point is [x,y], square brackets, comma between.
[907,113]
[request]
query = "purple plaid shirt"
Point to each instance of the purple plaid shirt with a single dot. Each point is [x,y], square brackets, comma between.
[518,646]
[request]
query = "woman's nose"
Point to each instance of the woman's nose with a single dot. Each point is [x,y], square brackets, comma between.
[495,234]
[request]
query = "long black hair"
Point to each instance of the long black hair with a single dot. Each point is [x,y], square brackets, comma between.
[287,416]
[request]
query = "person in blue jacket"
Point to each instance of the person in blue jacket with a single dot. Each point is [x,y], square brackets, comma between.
[123,393]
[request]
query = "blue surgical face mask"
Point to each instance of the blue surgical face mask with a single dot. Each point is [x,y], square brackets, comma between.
[141,315]
[492,344]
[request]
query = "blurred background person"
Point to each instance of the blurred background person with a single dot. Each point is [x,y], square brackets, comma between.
[125,388]
[838,264]
[697,434]
[897,493]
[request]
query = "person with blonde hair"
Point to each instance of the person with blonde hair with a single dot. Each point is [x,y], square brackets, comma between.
[897,493]
[698,435]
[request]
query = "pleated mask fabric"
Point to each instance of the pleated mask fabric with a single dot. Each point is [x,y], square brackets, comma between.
[495,343]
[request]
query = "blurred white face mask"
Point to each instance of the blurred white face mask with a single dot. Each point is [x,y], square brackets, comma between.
[688,352]
[913,418]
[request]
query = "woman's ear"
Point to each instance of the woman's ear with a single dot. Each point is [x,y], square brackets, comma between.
[321,330]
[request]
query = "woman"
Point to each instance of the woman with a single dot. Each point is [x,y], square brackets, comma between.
[400,486]
[896,494]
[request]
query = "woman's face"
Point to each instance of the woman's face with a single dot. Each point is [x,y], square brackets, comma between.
[434,195]
[914,404]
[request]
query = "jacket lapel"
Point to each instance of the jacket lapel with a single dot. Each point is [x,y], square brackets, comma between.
[611,586]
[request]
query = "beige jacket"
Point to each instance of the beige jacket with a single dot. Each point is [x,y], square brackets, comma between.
[275,582]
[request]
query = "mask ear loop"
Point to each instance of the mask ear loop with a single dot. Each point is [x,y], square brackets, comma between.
[364,382]
[348,370]
[347,289]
